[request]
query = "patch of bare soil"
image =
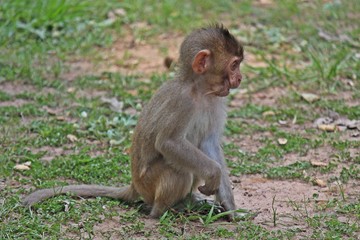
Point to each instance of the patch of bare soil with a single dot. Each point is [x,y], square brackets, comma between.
[128,55]
[293,200]
[347,97]
[79,67]
[14,88]
[320,154]
[117,228]
[15,103]
[53,152]
[148,228]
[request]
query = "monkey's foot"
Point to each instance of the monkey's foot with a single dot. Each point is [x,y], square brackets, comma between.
[199,205]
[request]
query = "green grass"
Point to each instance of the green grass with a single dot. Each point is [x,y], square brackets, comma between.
[307,46]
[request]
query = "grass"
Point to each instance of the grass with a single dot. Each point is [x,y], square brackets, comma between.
[48,97]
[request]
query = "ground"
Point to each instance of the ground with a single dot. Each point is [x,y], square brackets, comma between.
[69,102]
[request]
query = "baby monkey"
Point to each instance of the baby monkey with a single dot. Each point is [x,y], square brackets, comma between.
[176,144]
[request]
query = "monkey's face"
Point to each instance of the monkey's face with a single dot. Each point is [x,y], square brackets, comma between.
[226,78]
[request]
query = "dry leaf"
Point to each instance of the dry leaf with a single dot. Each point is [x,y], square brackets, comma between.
[120,12]
[50,111]
[318,164]
[323,120]
[72,138]
[349,82]
[282,141]
[268,113]
[309,97]
[67,206]
[60,118]
[320,183]
[21,167]
[71,89]
[327,127]
[115,105]
[341,128]
[282,122]
[356,134]
[28,163]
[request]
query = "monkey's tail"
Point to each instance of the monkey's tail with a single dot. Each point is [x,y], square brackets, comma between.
[127,193]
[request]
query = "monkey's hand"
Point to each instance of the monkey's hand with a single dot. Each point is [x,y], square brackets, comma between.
[207,191]
[212,183]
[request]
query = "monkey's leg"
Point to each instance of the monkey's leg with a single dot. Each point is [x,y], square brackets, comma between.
[173,186]
[224,196]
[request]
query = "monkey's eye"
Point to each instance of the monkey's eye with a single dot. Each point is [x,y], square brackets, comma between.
[234,65]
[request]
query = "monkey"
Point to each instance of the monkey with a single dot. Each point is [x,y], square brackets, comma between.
[176,145]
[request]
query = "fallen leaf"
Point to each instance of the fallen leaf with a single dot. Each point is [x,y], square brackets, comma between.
[50,111]
[323,120]
[72,138]
[268,113]
[327,127]
[282,141]
[282,122]
[114,142]
[168,62]
[320,183]
[120,11]
[28,163]
[60,118]
[71,89]
[349,82]
[111,15]
[356,134]
[318,164]
[309,97]
[21,167]
[66,206]
[115,105]
[341,128]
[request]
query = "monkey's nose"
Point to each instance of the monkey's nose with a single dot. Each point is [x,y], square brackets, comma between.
[235,83]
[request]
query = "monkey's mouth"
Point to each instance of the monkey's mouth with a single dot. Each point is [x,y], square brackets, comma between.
[223,93]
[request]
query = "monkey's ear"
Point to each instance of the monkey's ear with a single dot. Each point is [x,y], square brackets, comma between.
[201,61]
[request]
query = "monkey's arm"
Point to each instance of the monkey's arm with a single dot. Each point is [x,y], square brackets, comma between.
[183,155]
[211,147]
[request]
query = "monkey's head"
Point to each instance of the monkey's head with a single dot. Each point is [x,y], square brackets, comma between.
[214,56]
